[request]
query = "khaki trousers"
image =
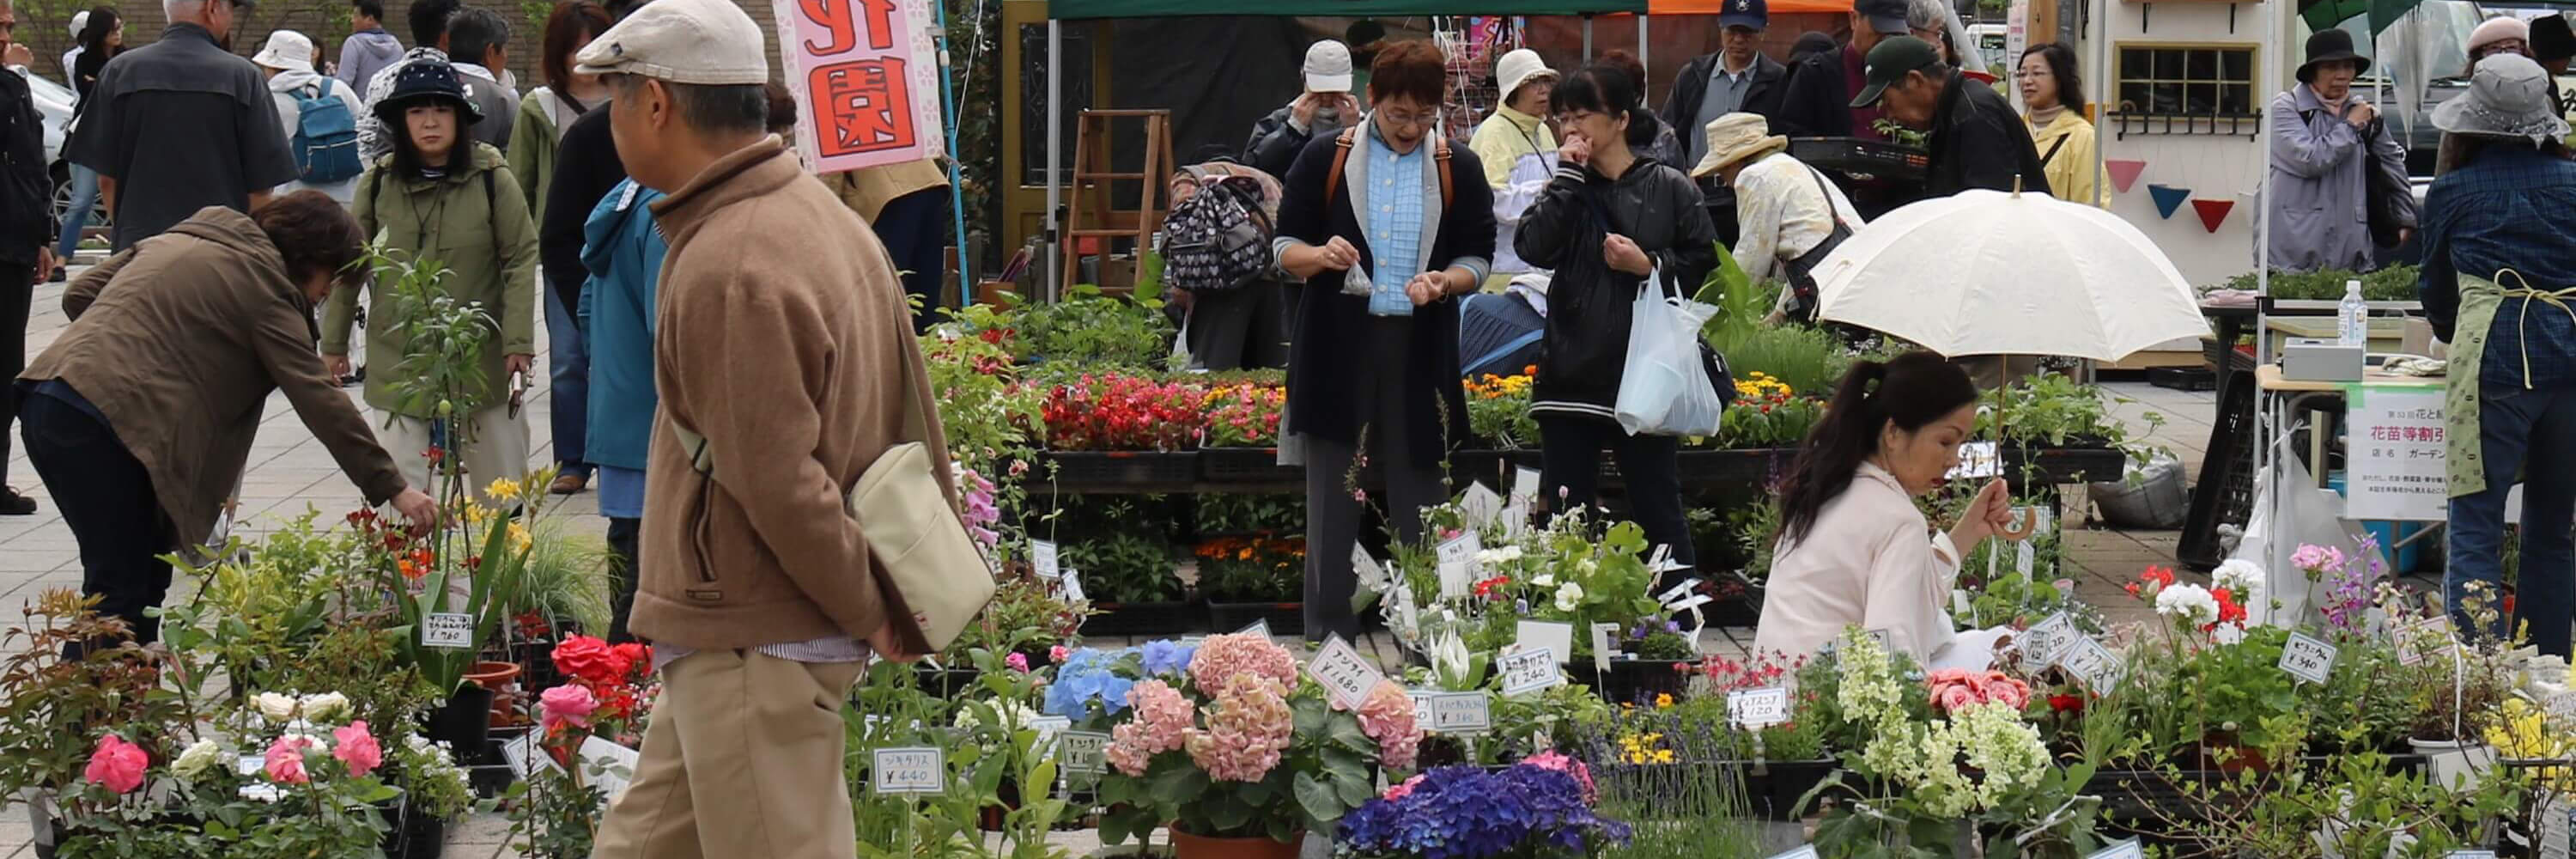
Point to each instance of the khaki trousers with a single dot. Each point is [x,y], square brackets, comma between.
[743,760]
[499,449]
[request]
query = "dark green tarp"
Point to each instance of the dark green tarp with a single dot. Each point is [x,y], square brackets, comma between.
[2326,14]
[1083,9]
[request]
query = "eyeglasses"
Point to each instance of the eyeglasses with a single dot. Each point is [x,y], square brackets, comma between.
[2025,74]
[1406,118]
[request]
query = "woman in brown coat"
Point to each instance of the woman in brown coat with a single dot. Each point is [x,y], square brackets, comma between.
[140,417]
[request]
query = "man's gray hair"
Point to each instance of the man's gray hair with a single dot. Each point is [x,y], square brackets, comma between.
[182,10]
[709,108]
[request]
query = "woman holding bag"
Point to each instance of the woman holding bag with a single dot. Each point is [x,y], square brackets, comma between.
[1609,219]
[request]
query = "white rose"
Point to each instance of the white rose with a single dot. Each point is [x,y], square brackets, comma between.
[327,705]
[1508,553]
[1569,596]
[1544,580]
[278,709]
[196,759]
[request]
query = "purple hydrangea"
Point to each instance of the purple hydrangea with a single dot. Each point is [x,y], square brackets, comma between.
[1464,812]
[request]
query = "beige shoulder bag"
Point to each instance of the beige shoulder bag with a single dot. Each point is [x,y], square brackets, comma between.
[934,574]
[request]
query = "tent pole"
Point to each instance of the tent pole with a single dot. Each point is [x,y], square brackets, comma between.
[1643,59]
[1587,37]
[1055,155]
[956,187]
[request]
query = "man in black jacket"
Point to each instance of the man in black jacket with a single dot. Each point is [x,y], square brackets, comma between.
[25,256]
[1321,111]
[1738,78]
[1973,137]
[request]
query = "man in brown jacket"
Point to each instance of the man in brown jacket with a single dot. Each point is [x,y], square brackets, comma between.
[140,416]
[780,329]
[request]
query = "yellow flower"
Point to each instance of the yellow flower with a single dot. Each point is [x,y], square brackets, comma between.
[519,538]
[477,514]
[503,489]
[1663,701]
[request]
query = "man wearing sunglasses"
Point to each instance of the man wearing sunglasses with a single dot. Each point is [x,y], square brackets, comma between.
[234,151]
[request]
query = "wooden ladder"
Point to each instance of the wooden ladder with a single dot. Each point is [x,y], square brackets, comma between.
[1093,214]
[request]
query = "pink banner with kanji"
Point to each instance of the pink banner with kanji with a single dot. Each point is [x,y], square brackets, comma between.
[866,78]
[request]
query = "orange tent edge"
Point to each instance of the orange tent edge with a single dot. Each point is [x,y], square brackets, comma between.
[1712,7]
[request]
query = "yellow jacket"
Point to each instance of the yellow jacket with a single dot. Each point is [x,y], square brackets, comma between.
[1503,138]
[2070,170]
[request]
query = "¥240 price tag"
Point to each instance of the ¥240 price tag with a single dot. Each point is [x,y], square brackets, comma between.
[1530,669]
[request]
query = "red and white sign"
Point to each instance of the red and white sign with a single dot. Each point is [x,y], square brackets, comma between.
[866,78]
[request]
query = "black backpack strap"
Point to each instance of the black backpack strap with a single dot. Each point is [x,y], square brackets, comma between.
[2052,151]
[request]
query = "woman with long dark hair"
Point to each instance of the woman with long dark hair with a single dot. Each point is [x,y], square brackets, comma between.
[1611,219]
[1853,550]
[446,197]
[2052,97]
[101,39]
[543,115]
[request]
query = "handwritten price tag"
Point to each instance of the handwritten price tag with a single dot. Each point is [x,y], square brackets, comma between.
[1456,713]
[1073,585]
[2094,665]
[2044,641]
[2308,659]
[1555,636]
[1516,519]
[1084,752]
[919,771]
[1458,565]
[2417,639]
[1371,575]
[1042,560]
[1048,728]
[1757,708]
[1605,644]
[2124,850]
[1977,459]
[447,631]
[1422,699]
[1529,669]
[2472,854]
[2562,705]
[1345,676]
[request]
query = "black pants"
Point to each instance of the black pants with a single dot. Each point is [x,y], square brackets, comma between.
[17,294]
[107,499]
[914,230]
[1238,329]
[621,544]
[1570,462]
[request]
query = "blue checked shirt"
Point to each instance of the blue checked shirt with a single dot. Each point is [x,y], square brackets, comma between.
[1394,224]
[2509,208]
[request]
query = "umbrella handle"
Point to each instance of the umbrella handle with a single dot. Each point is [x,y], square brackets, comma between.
[2020,532]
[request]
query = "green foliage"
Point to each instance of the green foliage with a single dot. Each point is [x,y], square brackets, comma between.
[1254,569]
[1809,360]
[56,707]
[1250,514]
[2053,410]
[2395,283]
[567,576]
[1125,567]
[1094,332]
[1023,617]
[998,764]
[987,417]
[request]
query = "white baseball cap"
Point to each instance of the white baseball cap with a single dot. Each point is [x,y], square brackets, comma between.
[1328,67]
[286,49]
[80,21]
[707,42]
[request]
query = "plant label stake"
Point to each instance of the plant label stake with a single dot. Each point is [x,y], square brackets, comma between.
[1367,567]
[447,630]
[1805,852]
[1529,669]
[2124,850]
[1460,713]
[1758,708]
[2562,705]
[1259,628]
[915,771]
[1458,565]
[1048,728]
[1977,460]
[2308,659]
[1422,699]
[1345,676]
[1480,507]
[1605,644]
[1516,519]
[1073,585]
[1084,752]
[2045,641]
[2412,636]
[1556,636]
[2472,854]
[1676,592]
[1525,484]
[2094,665]
[1042,560]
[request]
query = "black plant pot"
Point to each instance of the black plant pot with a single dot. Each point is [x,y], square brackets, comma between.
[465,722]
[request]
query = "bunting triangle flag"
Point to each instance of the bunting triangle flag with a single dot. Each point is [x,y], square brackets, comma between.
[2168,198]
[2124,172]
[2212,212]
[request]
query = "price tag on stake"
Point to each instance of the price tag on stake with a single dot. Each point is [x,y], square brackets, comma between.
[1085,752]
[2124,850]
[1459,713]
[1758,708]
[1259,627]
[1516,519]
[1048,728]
[1480,506]
[1073,585]
[447,630]
[2025,558]
[1978,460]
[1605,645]
[2417,639]
[2471,854]
[1556,636]
[2562,705]
[1345,676]
[2094,665]
[1677,591]
[2309,659]
[1458,565]
[1372,576]
[1525,484]
[2044,641]
[915,771]
[1042,560]
[1800,853]
[1422,699]
[1529,669]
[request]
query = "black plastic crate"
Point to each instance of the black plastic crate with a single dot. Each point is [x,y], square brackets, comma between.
[1246,465]
[1116,469]
[1143,620]
[1286,618]
[2183,378]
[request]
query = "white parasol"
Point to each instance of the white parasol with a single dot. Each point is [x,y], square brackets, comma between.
[1994,273]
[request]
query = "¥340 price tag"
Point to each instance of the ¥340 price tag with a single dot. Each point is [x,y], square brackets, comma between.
[2311,660]
[1458,713]
[918,771]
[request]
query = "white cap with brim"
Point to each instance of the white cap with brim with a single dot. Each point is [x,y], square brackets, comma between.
[704,42]
[80,21]
[286,49]
[1328,67]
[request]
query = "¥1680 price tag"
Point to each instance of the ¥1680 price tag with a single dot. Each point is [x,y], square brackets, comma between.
[920,771]
[1345,676]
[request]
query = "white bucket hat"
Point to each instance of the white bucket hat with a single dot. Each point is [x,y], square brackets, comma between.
[2508,97]
[1735,137]
[286,49]
[1519,67]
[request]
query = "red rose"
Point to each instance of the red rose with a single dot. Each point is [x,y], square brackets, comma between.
[638,656]
[2066,703]
[589,659]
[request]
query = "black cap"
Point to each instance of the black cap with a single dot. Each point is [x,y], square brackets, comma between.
[2551,38]
[1753,14]
[1885,16]
[1894,57]
[2327,46]
[426,80]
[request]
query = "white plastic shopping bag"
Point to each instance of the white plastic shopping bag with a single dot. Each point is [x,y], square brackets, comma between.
[1665,389]
[2308,515]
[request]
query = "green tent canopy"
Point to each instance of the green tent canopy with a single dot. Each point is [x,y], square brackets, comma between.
[2325,14]
[1086,9]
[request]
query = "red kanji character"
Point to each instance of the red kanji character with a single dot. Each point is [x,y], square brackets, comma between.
[862,106]
[843,19]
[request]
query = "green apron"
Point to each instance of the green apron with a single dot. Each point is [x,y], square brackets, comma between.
[2480,299]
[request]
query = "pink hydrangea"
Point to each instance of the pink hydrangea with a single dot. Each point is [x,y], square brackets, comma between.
[1387,717]
[117,764]
[357,748]
[1247,731]
[1161,723]
[1555,760]
[1222,657]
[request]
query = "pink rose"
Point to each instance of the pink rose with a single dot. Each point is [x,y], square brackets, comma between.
[1056,654]
[286,760]
[117,764]
[567,705]
[1957,698]
[357,748]
[2008,692]
[1017,662]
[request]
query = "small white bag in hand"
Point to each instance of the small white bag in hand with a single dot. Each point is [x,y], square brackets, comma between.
[1665,389]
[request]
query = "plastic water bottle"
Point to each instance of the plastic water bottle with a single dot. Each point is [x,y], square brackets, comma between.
[2352,318]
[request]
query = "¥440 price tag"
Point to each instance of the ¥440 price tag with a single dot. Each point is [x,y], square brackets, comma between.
[920,771]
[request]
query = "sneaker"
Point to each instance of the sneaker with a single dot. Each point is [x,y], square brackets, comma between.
[14,504]
[356,377]
[569,484]
[60,274]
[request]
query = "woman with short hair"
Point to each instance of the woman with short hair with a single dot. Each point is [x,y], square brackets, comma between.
[2052,97]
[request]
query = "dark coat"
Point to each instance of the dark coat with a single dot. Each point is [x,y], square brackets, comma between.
[1681,111]
[1589,304]
[1977,141]
[1275,144]
[1815,101]
[1324,370]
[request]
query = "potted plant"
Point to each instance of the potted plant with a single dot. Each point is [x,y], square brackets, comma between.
[2459,694]
[1254,579]
[1133,580]
[1243,434]
[1026,622]
[1239,753]
[607,696]
[1120,429]
[1542,806]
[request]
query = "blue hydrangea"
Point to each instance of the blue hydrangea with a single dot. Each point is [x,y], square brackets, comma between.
[1168,658]
[1087,675]
[1468,813]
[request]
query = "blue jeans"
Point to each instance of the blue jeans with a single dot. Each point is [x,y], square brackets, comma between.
[570,365]
[2531,434]
[84,198]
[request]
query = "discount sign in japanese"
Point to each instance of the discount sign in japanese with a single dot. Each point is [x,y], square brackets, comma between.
[2397,464]
[866,78]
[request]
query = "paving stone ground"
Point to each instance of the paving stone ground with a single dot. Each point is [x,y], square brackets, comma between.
[289,471]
